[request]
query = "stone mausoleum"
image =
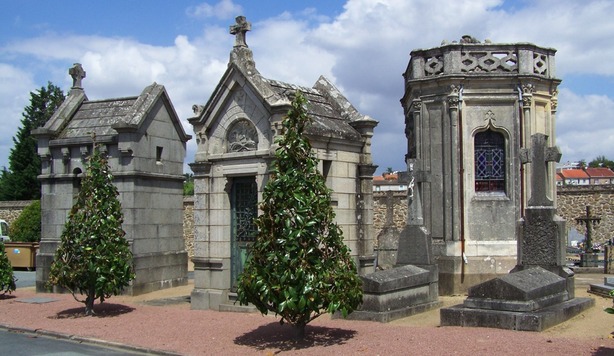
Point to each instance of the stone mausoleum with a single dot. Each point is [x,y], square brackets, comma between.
[146,147]
[235,132]
[469,109]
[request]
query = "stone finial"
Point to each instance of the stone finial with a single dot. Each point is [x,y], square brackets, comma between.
[77,73]
[469,39]
[239,31]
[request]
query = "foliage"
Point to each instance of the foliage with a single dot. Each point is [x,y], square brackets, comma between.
[610,310]
[601,161]
[188,184]
[27,226]
[7,279]
[94,258]
[20,181]
[299,267]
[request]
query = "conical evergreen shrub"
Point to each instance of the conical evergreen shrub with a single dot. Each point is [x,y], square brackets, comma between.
[298,268]
[94,258]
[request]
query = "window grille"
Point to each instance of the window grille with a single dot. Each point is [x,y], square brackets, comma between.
[489,162]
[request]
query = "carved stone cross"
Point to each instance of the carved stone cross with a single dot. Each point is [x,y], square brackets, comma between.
[589,220]
[77,73]
[539,155]
[239,31]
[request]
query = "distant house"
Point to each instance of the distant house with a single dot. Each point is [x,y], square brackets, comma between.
[586,176]
[600,175]
[396,181]
[573,177]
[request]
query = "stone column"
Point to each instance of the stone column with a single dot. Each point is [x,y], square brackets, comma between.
[455,159]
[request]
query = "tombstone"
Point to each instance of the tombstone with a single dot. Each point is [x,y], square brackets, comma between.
[469,107]
[588,258]
[145,144]
[539,292]
[411,287]
[235,133]
[388,238]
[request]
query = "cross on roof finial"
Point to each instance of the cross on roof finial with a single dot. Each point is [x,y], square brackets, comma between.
[239,31]
[77,73]
[539,155]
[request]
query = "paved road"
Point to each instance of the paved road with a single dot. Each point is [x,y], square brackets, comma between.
[14,343]
[25,278]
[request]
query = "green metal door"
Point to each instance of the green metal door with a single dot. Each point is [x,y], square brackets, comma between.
[244,205]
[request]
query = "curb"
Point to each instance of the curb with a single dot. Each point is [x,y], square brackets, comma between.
[86,340]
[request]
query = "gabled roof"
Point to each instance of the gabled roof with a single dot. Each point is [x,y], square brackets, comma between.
[573,174]
[332,114]
[79,117]
[600,172]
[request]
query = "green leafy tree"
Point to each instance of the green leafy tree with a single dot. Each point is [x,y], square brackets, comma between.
[601,161]
[94,258]
[7,279]
[299,267]
[20,182]
[27,226]
[188,184]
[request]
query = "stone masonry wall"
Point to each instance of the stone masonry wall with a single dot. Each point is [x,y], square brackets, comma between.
[10,210]
[571,203]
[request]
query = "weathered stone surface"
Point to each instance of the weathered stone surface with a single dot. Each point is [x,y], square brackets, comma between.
[538,320]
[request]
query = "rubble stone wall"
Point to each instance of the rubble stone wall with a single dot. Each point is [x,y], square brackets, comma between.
[571,203]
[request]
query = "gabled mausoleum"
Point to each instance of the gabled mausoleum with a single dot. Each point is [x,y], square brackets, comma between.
[235,134]
[146,145]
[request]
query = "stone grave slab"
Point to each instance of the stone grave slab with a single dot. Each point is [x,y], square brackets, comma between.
[396,293]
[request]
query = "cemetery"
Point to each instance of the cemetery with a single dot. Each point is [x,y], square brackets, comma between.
[480,218]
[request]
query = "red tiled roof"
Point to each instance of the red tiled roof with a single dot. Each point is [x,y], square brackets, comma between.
[600,172]
[573,174]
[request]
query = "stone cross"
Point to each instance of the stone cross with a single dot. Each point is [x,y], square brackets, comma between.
[239,31]
[539,155]
[588,220]
[77,73]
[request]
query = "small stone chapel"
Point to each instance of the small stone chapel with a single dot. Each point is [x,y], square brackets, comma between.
[145,145]
[469,109]
[235,135]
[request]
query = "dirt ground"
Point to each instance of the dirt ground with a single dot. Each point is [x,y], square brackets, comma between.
[163,321]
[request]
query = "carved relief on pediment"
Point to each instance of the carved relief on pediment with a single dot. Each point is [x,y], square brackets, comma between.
[242,136]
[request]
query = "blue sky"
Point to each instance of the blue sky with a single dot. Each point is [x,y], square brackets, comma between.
[362,46]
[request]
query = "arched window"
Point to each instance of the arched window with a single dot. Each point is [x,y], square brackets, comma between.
[489,161]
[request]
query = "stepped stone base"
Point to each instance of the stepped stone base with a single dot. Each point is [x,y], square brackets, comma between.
[538,320]
[398,292]
[532,299]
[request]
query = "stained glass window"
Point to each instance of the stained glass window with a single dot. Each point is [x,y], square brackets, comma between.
[489,161]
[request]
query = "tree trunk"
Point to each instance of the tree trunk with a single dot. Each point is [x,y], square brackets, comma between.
[299,331]
[89,301]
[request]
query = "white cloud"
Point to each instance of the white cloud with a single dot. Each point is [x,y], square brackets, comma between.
[225,9]
[584,126]
[364,51]
[13,99]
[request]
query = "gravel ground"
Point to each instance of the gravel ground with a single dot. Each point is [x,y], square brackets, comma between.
[177,329]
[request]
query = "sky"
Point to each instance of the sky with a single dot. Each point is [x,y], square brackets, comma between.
[362,46]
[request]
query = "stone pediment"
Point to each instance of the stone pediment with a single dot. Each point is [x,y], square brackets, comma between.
[246,95]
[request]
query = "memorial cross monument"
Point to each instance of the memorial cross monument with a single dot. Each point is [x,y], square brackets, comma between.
[539,292]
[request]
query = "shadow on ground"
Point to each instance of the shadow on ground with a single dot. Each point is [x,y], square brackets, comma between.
[282,337]
[6,296]
[603,351]
[103,310]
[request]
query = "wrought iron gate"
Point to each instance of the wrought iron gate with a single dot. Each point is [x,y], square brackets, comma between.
[244,205]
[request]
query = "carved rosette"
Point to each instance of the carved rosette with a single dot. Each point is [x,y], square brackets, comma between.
[242,136]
